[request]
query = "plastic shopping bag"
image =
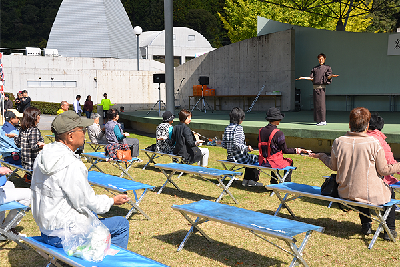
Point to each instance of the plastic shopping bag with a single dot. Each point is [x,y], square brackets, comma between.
[89,241]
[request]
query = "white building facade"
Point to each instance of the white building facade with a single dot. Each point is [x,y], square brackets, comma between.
[188,44]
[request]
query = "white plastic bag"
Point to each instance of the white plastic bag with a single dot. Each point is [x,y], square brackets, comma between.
[87,241]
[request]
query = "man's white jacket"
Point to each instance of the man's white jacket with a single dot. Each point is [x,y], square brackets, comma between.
[60,189]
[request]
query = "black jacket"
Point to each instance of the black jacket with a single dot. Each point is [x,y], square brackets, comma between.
[185,144]
[25,103]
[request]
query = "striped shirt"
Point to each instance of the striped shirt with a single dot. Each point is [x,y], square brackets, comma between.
[234,142]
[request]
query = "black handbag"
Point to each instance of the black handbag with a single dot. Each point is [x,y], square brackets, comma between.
[330,187]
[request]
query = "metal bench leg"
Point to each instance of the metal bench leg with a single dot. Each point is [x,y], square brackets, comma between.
[283,203]
[94,164]
[124,171]
[299,251]
[151,159]
[382,224]
[194,225]
[226,189]
[135,205]
[10,235]
[169,180]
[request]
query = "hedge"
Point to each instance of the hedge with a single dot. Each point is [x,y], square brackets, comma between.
[48,107]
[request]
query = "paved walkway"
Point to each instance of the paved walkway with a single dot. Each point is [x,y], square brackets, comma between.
[45,122]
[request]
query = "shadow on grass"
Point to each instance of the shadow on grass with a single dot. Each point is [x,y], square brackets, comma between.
[226,254]
[122,211]
[332,227]
[18,257]
[185,194]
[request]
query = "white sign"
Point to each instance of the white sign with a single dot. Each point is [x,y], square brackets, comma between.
[394,45]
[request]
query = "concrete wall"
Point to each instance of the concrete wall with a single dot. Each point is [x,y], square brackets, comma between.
[360,59]
[94,76]
[243,68]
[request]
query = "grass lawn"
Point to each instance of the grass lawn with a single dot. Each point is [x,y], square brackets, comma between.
[341,244]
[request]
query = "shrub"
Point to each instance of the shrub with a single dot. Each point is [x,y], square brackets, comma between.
[48,107]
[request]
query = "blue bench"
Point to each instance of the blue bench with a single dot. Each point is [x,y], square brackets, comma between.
[5,231]
[15,168]
[235,166]
[121,185]
[203,172]
[259,224]
[96,157]
[96,146]
[51,137]
[152,155]
[303,190]
[122,258]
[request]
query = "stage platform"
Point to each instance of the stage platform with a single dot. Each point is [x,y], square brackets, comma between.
[298,127]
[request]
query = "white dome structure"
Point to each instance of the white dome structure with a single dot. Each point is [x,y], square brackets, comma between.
[188,44]
[93,28]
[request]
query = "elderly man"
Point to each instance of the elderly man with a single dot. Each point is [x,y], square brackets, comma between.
[11,120]
[64,107]
[8,149]
[60,188]
[96,134]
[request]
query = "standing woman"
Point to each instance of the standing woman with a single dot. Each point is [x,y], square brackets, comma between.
[29,139]
[88,106]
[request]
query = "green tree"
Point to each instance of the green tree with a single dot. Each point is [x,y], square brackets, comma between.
[240,18]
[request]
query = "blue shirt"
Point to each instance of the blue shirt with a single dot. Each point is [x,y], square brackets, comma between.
[8,127]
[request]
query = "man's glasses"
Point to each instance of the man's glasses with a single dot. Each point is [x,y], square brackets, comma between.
[79,130]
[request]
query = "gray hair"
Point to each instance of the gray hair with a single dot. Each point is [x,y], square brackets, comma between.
[95,116]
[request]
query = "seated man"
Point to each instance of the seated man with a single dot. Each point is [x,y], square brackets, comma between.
[60,188]
[96,134]
[11,120]
[8,149]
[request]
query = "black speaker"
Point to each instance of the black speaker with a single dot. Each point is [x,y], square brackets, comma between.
[159,78]
[203,80]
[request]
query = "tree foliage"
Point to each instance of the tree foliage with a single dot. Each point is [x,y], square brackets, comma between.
[27,22]
[240,18]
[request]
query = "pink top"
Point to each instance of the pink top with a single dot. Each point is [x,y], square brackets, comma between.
[389,179]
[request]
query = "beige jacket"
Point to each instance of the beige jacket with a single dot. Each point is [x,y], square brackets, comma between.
[360,163]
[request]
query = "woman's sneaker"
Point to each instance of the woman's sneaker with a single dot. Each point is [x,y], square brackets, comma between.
[253,183]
